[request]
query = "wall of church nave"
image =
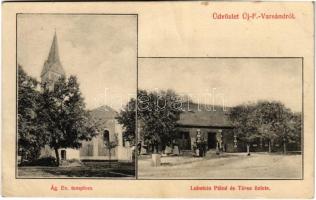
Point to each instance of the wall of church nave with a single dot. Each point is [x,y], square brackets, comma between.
[96,150]
[86,149]
[103,150]
[68,154]
[124,154]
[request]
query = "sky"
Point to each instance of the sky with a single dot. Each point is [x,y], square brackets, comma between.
[101,50]
[226,81]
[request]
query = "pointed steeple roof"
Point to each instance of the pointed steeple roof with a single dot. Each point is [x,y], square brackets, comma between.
[53,55]
[53,62]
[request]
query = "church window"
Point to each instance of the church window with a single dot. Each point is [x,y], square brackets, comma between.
[106,136]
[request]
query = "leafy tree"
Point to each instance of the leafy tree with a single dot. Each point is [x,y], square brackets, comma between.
[297,130]
[291,130]
[30,139]
[273,118]
[245,123]
[268,120]
[158,114]
[63,111]
[111,144]
[127,117]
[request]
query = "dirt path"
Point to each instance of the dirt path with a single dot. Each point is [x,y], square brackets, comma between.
[256,166]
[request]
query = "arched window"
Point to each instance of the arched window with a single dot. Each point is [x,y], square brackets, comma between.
[106,136]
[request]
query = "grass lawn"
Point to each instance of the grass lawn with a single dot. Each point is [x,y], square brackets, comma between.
[89,169]
[227,166]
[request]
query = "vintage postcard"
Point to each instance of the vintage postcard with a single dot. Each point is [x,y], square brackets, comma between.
[200,99]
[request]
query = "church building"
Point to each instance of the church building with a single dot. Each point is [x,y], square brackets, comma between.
[105,115]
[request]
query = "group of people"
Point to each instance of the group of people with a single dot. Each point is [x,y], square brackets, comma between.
[200,146]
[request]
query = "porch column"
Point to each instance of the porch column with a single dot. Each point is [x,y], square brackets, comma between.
[219,139]
[220,136]
[235,140]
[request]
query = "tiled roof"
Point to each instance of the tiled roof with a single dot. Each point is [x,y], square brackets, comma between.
[204,115]
[103,113]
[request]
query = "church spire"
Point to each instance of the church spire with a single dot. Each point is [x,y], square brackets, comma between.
[53,55]
[53,64]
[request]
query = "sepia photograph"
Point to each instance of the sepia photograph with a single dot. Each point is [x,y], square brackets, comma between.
[158,99]
[220,118]
[75,75]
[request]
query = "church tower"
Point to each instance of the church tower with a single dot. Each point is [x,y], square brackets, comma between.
[52,69]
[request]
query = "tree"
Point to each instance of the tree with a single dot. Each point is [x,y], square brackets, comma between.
[111,145]
[30,139]
[291,130]
[245,123]
[269,120]
[63,112]
[273,121]
[127,117]
[158,114]
[296,131]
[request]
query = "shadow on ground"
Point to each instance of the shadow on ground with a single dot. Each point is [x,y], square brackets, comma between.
[89,169]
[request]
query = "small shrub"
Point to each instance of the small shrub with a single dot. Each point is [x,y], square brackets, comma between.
[45,161]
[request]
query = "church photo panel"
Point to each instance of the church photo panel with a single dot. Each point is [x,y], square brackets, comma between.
[76,79]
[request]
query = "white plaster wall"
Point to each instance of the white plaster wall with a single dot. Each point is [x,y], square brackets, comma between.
[124,153]
[119,131]
[70,153]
